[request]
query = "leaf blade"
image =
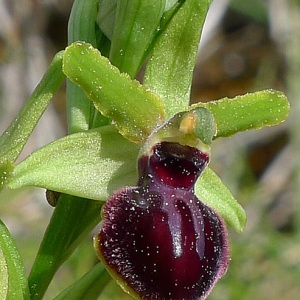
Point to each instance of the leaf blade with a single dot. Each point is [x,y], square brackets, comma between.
[81,27]
[169,71]
[136,25]
[72,220]
[13,281]
[89,286]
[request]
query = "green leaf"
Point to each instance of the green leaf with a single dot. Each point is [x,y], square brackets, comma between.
[90,164]
[72,220]
[169,71]
[90,286]
[13,282]
[81,27]
[106,16]
[170,4]
[136,25]
[135,110]
[6,169]
[250,111]
[210,190]
[16,135]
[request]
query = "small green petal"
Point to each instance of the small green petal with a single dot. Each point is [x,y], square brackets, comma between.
[250,111]
[205,127]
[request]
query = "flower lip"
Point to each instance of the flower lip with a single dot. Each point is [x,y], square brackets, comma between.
[176,165]
[137,246]
[158,240]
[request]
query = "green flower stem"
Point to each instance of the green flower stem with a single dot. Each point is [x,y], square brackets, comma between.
[72,220]
[169,71]
[16,135]
[90,286]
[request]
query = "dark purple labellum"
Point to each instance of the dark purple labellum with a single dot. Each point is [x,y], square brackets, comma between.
[157,238]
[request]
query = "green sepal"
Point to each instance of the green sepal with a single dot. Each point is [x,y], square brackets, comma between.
[135,110]
[90,164]
[13,282]
[210,189]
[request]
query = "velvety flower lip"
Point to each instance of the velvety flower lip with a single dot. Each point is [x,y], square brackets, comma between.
[158,240]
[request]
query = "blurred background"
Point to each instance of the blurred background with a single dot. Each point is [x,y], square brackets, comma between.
[246,46]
